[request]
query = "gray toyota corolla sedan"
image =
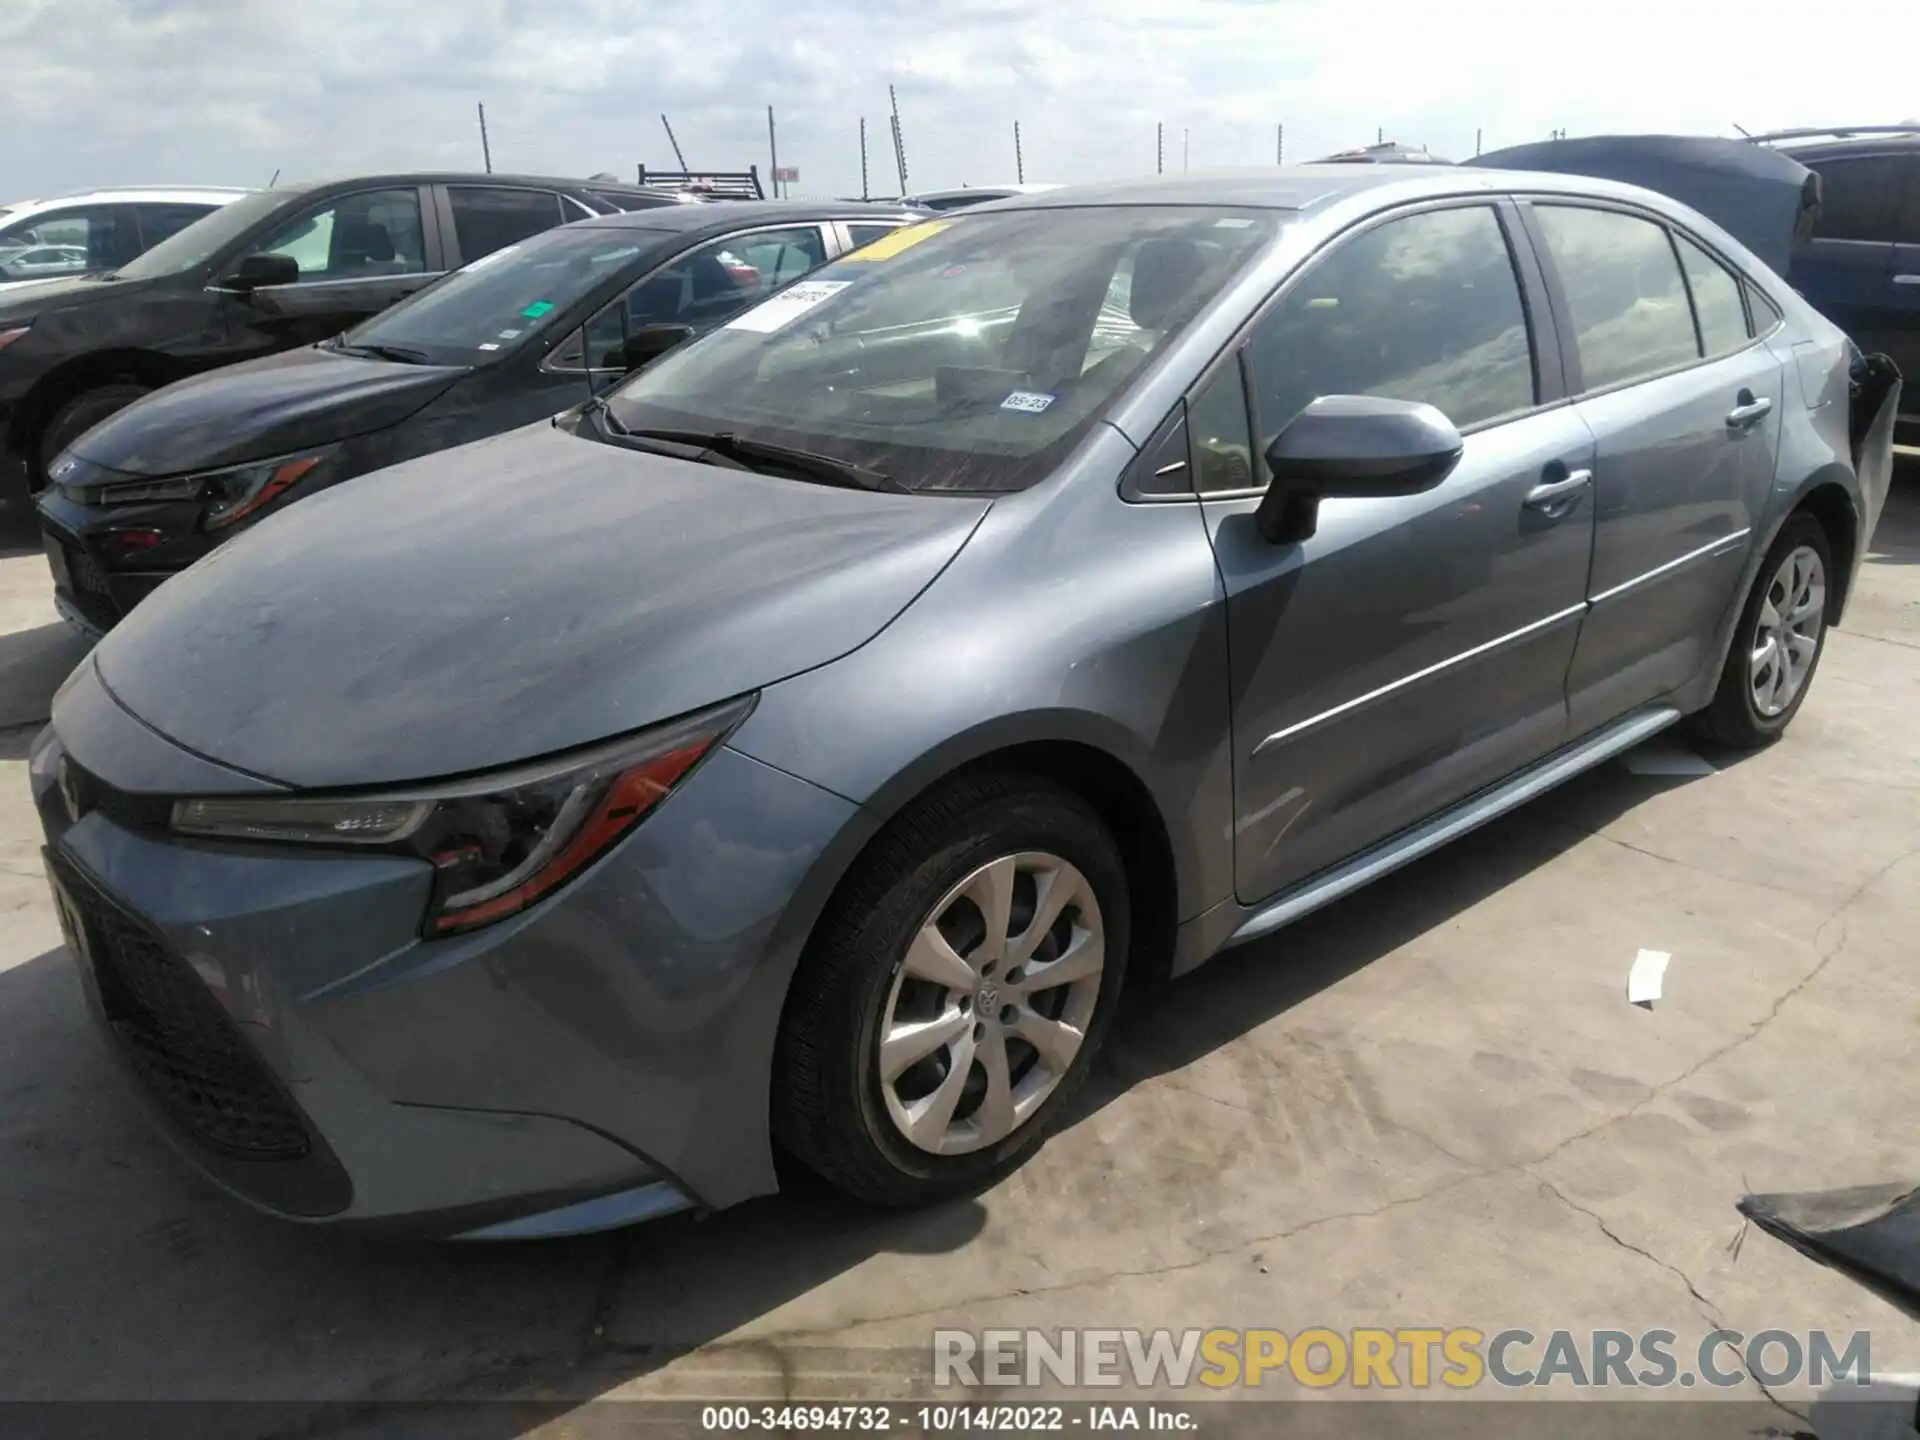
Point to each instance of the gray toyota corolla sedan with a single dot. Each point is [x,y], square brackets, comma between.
[803,747]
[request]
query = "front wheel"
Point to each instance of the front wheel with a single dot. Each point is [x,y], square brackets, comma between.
[74,418]
[954,996]
[1777,644]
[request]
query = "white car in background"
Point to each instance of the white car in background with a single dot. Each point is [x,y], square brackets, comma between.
[98,229]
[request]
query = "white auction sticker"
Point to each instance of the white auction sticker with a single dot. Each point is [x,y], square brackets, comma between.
[788,306]
[1028,402]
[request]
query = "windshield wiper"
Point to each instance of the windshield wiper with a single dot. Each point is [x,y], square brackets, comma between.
[803,464]
[399,353]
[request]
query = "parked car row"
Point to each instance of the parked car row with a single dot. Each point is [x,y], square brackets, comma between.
[97,230]
[527,330]
[803,741]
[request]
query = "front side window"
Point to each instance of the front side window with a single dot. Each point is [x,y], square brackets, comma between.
[1217,429]
[1859,196]
[1424,308]
[965,353]
[1716,299]
[487,218]
[364,236]
[500,302]
[1627,300]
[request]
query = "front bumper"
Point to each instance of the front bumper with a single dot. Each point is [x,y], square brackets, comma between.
[602,1058]
[93,588]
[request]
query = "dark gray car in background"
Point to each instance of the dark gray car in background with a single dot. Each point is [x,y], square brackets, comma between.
[804,745]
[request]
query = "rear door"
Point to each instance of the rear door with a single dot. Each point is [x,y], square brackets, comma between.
[1413,649]
[358,253]
[1684,404]
[1903,335]
[1847,270]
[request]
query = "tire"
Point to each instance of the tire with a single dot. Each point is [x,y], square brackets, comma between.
[74,417]
[1738,716]
[856,981]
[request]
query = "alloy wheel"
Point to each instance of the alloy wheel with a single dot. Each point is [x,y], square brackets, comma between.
[1786,636]
[991,1003]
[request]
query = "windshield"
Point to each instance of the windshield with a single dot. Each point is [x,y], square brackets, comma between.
[201,241]
[965,353]
[502,300]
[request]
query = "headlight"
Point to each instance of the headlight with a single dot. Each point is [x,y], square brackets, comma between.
[233,495]
[497,842]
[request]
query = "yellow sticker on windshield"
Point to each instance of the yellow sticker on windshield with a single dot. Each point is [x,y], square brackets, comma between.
[905,238]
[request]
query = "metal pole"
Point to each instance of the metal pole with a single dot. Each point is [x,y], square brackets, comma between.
[863,159]
[1476,144]
[1160,148]
[773,154]
[486,151]
[1279,144]
[673,142]
[1380,136]
[899,139]
[276,178]
[1186,136]
[1019,161]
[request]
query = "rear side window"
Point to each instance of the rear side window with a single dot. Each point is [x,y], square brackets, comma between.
[1423,308]
[163,222]
[1627,300]
[371,234]
[1859,197]
[867,234]
[1716,299]
[486,219]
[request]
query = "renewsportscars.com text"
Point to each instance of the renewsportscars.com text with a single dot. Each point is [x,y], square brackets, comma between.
[1417,1358]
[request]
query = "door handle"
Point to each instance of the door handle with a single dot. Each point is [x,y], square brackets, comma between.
[1748,412]
[1552,493]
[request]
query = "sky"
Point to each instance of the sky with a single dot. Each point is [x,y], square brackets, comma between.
[228,92]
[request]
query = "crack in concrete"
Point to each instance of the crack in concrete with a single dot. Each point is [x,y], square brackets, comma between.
[1709,1311]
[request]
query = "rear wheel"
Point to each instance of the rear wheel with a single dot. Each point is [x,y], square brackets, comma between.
[954,997]
[74,418]
[1777,645]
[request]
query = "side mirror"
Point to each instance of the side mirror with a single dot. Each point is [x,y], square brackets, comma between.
[256,272]
[1352,446]
[650,342]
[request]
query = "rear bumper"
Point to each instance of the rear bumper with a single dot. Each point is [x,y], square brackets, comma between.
[603,1058]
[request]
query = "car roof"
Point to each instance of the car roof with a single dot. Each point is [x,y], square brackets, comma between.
[1306,188]
[152,194]
[723,215]
[467,177]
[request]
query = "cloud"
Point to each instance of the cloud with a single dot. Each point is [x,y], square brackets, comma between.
[228,91]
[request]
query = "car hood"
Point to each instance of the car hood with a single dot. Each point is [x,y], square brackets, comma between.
[271,406]
[27,299]
[511,598]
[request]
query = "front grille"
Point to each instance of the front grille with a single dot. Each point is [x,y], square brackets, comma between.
[179,1039]
[90,594]
[88,577]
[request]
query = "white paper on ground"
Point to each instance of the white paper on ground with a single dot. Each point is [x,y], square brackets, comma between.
[1644,979]
[1664,757]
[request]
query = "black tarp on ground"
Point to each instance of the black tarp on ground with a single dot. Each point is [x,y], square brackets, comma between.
[1871,1232]
[1764,199]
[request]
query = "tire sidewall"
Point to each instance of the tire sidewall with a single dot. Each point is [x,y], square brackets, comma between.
[1798,531]
[77,416]
[1035,821]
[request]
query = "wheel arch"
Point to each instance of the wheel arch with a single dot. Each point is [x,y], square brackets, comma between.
[76,377]
[1831,503]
